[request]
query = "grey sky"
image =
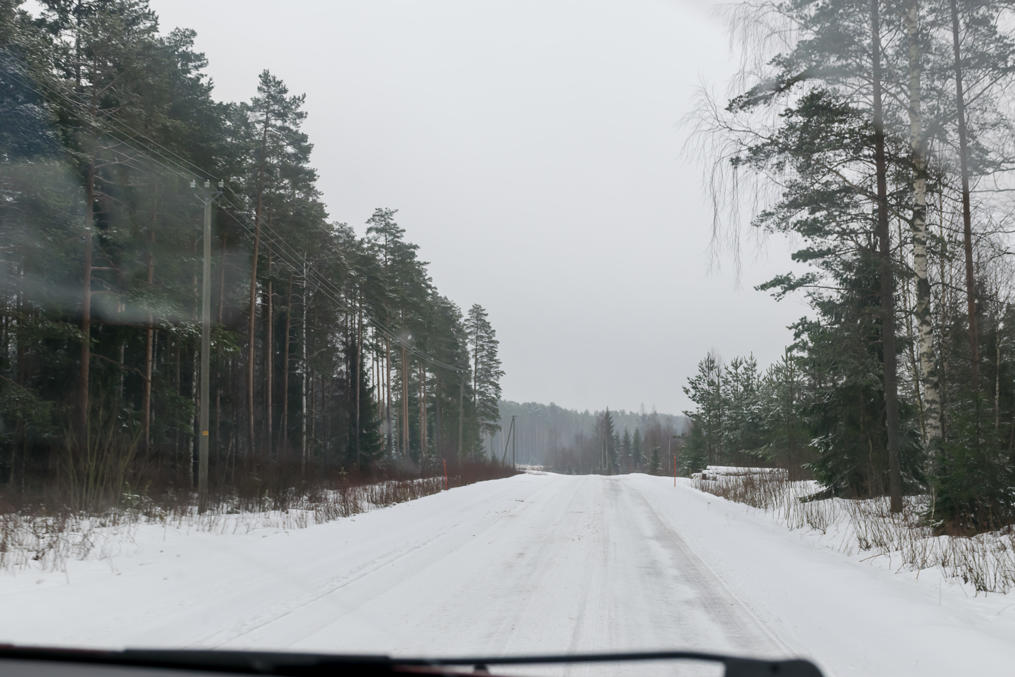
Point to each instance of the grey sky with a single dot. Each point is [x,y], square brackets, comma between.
[534,150]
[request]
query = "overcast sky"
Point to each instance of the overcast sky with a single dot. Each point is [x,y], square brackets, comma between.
[534,150]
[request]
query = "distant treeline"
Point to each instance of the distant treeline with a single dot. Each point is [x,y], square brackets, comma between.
[572,441]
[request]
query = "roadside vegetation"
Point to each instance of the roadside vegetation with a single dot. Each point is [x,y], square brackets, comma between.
[985,561]
[334,362]
[877,137]
[38,536]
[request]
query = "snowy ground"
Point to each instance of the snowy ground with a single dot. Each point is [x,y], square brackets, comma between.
[534,563]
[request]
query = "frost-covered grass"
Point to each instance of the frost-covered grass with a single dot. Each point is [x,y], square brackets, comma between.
[986,562]
[29,539]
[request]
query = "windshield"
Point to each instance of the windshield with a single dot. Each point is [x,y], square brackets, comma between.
[498,328]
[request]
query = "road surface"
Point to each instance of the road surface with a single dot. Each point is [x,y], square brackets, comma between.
[534,563]
[582,564]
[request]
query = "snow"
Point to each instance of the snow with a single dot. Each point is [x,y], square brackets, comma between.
[533,563]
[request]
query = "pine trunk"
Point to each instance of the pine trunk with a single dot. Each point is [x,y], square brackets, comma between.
[967,232]
[285,365]
[422,412]
[461,413]
[888,356]
[387,394]
[304,370]
[359,356]
[437,415]
[269,359]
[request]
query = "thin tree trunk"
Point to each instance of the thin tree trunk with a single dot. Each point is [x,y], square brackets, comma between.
[967,231]
[313,410]
[359,361]
[887,283]
[304,370]
[931,395]
[911,338]
[422,412]
[285,365]
[475,371]
[461,413]
[269,359]
[997,376]
[387,394]
[943,272]
[437,415]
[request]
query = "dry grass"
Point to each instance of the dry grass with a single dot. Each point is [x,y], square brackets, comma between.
[39,537]
[775,495]
[985,561]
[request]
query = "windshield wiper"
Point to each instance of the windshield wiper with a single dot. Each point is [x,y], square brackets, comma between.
[314,664]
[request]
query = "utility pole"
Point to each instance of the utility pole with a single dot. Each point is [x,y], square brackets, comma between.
[405,401]
[202,453]
[514,441]
[510,440]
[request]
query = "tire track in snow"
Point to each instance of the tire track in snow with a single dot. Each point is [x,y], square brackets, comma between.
[529,564]
[426,539]
[737,618]
[402,565]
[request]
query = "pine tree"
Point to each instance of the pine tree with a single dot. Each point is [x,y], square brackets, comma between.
[637,453]
[486,369]
[606,435]
[705,390]
[626,455]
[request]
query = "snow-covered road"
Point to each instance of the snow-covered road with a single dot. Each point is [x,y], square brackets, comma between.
[535,563]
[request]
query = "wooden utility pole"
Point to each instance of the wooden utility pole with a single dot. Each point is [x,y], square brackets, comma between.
[509,441]
[514,444]
[252,320]
[202,453]
[146,401]
[887,282]
[86,314]
[405,402]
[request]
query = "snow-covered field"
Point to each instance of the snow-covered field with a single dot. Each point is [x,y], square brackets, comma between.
[534,563]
